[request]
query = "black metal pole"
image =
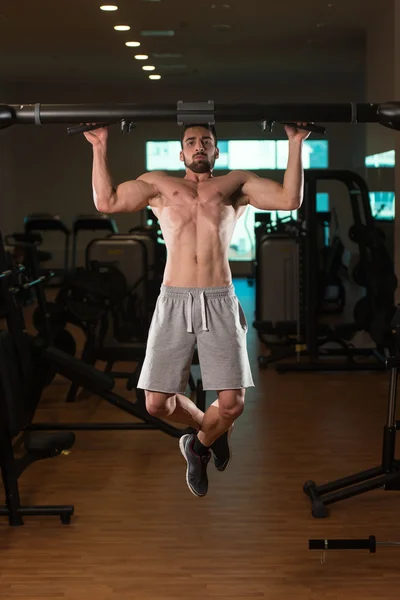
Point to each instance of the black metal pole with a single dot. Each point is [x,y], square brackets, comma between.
[40,114]
[311,268]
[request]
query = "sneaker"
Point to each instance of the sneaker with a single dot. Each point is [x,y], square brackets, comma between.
[196,472]
[222,451]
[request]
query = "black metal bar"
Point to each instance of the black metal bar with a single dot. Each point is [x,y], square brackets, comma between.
[309,127]
[13,313]
[326,365]
[360,488]
[40,114]
[82,128]
[310,241]
[366,544]
[64,512]
[89,426]
[9,477]
[349,481]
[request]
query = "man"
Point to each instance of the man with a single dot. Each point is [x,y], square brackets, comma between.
[197,303]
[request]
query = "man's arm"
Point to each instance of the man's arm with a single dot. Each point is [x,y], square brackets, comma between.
[266,194]
[130,196]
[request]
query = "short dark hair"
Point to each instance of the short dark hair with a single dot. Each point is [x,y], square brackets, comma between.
[210,128]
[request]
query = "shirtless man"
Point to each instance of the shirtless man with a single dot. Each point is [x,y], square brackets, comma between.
[197,302]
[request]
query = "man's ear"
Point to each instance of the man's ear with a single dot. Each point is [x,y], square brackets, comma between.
[181,157]
[217,152]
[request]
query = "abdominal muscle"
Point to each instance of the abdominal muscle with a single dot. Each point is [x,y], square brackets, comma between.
[197,242]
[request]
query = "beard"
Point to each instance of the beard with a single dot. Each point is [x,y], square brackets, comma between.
[201,166]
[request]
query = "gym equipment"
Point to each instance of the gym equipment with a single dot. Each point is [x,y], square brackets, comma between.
[386,114]
[369,543]
[19,398]
[386,475]
[320,357]
[44,222]
[23,375]
[76,371]
[134,257]
[51,325]
[277,316]
[93,300]
[92,222]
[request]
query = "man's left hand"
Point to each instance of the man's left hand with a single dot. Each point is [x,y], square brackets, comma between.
[297,135]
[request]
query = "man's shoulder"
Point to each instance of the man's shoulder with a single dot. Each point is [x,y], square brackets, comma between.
[241,175]
[151,175]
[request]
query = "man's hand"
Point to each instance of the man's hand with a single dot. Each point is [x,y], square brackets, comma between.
[97,137]
[296,135]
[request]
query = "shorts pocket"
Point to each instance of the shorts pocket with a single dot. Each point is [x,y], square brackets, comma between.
[242,318]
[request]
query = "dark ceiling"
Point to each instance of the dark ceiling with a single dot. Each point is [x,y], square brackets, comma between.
[248,40]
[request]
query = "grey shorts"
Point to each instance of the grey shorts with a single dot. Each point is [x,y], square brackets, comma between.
[213,319]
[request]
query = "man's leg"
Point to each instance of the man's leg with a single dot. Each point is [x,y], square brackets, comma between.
[217,421]
[221,415]
[176,407]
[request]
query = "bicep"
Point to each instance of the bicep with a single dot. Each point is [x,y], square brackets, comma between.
[261,193]
[134,195]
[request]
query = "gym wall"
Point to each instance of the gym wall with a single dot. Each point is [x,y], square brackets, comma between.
[48,171]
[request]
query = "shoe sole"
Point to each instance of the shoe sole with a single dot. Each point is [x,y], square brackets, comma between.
[183,452]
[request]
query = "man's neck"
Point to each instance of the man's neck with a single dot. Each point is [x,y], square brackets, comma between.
[197,177]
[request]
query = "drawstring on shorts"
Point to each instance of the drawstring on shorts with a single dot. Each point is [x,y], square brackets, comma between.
[189,312]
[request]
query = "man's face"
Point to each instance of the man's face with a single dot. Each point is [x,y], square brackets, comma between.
[199,152]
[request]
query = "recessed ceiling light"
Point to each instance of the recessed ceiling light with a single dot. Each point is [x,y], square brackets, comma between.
[132,44]
[319,25]
[141,56]
[148,68]
[224,6]
[108,7]
[159,33]
[154,76]
[122,28]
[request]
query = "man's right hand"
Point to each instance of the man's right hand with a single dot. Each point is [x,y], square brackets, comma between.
[97,137]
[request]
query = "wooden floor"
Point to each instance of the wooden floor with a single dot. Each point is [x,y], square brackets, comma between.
[138,533]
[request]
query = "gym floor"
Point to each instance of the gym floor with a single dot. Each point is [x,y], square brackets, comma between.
[138,533]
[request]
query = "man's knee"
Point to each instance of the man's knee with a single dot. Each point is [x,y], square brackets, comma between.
[231,403]
[159,404]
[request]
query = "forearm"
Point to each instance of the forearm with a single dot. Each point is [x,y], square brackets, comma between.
[103,190]
[293,181]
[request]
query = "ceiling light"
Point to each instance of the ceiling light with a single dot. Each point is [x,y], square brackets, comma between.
[141,56]
[122,28]
[159,33]
[108,7]
[132,44]
[321,25]
[154,76]
[148,68]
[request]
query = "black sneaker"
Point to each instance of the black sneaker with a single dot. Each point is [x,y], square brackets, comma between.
[196,472]
[222,451]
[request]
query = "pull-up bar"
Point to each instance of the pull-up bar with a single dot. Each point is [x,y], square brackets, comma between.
[386,114]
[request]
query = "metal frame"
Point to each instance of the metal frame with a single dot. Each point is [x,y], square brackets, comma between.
[387,114]
[321,360]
